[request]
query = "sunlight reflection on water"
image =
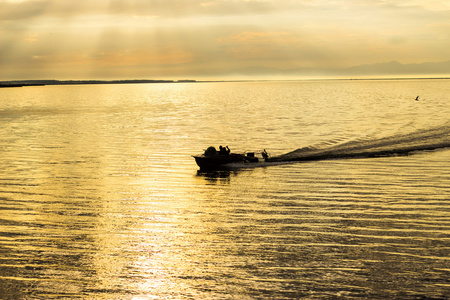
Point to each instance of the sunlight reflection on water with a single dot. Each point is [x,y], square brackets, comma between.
[100,197]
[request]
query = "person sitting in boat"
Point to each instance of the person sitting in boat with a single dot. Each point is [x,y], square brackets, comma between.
[224,150]
[211,151]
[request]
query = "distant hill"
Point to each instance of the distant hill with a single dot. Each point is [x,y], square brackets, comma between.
[392,68]
[396,68]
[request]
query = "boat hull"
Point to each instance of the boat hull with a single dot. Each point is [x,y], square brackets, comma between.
[220,161]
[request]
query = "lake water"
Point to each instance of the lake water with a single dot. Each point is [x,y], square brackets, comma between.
[101,199]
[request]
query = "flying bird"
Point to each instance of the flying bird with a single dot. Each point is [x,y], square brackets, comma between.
[417,98]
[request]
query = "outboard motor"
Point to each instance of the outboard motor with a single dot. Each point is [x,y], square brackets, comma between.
[265,155]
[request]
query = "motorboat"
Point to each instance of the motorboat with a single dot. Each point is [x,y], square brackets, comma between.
[213,159]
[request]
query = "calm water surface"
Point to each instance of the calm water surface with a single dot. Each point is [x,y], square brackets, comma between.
[101,199]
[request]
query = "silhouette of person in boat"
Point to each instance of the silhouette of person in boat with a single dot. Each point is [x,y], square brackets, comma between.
[224,150]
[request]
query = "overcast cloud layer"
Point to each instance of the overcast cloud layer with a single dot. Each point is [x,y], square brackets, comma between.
[200,39]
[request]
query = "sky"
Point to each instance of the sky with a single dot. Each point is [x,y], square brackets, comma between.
[215,39]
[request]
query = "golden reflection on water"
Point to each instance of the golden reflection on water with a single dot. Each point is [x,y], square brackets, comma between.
[105,201]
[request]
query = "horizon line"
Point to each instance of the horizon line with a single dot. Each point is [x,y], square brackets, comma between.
[31,82]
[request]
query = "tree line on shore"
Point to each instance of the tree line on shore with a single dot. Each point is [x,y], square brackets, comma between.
[21,83]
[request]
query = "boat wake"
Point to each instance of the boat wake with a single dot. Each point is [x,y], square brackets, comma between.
[405,144]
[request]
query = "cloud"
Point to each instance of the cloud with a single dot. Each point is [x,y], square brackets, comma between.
[19,10]
[10,10]
[28,9]
[150,37]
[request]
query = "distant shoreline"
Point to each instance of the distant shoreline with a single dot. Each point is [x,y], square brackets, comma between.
[26,83]
[23,83]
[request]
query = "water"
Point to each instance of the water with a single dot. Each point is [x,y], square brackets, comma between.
[101,199]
